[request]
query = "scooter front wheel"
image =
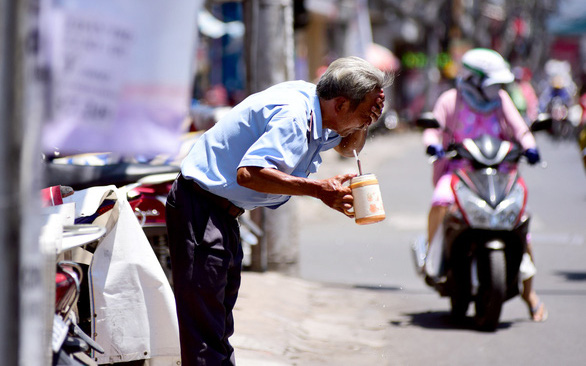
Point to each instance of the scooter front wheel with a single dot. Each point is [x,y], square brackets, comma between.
[460,306]
[491,292]
[460,297]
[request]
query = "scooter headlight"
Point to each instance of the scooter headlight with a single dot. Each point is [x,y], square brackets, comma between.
[481,215]
[507,212]
[476,210]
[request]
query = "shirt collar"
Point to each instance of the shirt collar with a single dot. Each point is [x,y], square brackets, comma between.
[318,132]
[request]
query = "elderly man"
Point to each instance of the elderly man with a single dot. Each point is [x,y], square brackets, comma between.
[258,155]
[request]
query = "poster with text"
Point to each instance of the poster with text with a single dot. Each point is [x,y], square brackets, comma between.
[120,74]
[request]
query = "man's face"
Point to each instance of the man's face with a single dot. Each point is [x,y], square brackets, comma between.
[367,112]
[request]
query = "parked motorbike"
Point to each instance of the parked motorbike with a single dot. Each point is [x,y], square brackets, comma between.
[117,280]
[148,197]
[146,187]
[562,126]
[477,250]
[71,345]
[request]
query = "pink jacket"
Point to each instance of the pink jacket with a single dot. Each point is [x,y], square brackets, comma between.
[450,105]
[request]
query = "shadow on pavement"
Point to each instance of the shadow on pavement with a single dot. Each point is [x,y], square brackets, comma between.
[572,275]
[441,320]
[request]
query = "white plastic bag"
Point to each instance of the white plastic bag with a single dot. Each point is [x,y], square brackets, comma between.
[135,314]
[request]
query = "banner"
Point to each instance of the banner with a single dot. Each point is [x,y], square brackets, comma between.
[120,74]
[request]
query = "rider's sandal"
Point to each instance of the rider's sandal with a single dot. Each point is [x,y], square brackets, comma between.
[539,312]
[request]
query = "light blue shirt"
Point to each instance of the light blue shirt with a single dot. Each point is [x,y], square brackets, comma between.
[280,128]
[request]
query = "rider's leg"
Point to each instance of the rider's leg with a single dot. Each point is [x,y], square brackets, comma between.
[536,307]
[436,216]
[442,198]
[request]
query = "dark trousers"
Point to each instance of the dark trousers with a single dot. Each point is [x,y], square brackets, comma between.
[206,259]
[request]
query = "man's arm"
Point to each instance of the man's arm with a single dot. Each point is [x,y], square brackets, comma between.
[330,191]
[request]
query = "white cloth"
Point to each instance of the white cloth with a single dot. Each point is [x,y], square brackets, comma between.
[434,262]
[527,268]
[134,307]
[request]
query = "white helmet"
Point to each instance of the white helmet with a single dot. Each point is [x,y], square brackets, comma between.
[489,65]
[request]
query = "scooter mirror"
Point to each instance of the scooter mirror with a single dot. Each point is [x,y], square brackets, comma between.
[543,122]
[427,120]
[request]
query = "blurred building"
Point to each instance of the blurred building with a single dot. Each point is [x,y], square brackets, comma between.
[568,29]
[425,39]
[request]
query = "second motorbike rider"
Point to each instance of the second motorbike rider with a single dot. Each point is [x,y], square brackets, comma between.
[478,105]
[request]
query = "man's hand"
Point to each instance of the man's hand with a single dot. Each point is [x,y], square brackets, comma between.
[377,110]
[336,195]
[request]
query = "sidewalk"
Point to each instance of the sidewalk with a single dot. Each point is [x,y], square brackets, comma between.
[283,320]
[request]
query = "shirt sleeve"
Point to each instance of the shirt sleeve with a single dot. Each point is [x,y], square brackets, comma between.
[441,111]
[282,144]
[515,121]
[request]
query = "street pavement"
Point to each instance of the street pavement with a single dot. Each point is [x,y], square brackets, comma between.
[355,298]
[284,319]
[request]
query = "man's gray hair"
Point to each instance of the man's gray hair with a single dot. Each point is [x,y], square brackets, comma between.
[352,78]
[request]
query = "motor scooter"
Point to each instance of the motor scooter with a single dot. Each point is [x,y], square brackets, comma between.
[124,292]
[70,344]
[148,197]
[562,124]
[477,250]
[146,187]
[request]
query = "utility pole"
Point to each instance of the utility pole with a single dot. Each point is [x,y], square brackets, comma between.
[269,60]
[24,304]
[9,223]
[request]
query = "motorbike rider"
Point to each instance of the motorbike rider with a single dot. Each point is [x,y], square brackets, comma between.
[478,105]
[555,89]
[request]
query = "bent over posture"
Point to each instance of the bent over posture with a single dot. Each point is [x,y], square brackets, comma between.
[258,155]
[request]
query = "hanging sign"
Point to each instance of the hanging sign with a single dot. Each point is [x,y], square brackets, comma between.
[120,74]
